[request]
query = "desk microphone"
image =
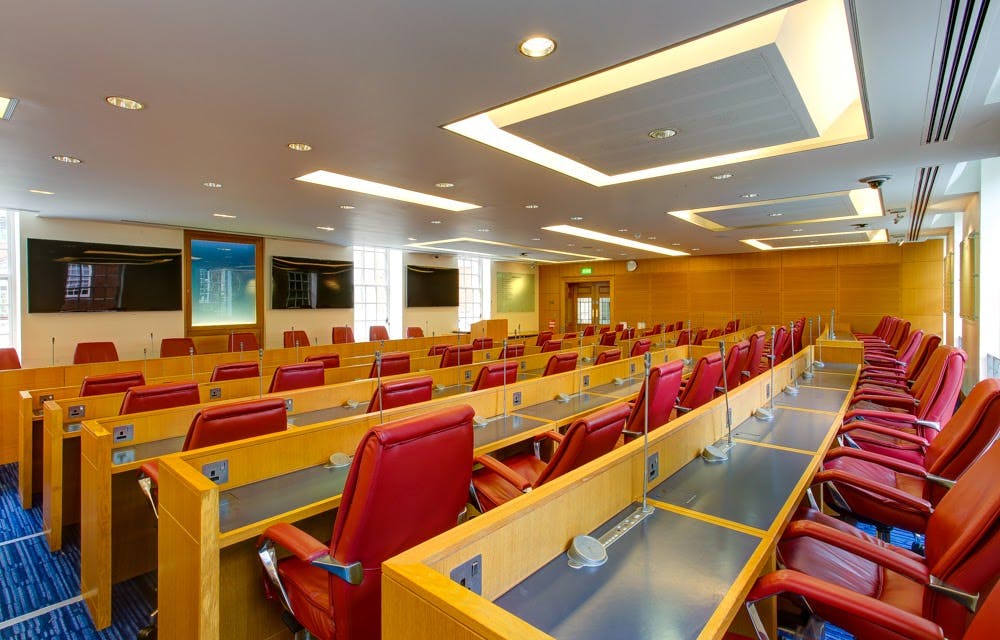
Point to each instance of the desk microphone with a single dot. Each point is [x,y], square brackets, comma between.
[151,342]
[191,360]
[831,332]
[808,373]
[378,369]
[791,388]
[818,363]
[145,373]
[767,415]
[53,351]
[260,370]
[339,459]
[505,378]
[716,453]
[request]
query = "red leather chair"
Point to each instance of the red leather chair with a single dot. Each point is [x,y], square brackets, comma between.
[730,327]
[657,329]
[244,341]
[782,347]
[755,359]
[893,493]
[899,358]
[619,327]
[608,339]
[670,328]
[896,377]
[377,332]
[330,360]
[551,345]
[393,363]
[334,589]
[608,355]
[341,335]
[604,330]
[962,552]
[456,355]
[879,329]
[512,351]
[87,352]
[151,397]
[492,375]
[111,383]
[700,387]
[235,371]
[480,344]
[414,332]
[289,377]
[400,393]
[560,363]
[173,347]
[437,349]
[586,439]
[628,334]
[664,383]
[291,337]
[640,346]
[699,336]
[680,325]
[683,338]
[543,337]
[736,359]
[588,330]
[9,359]
[569,336]
[714,333]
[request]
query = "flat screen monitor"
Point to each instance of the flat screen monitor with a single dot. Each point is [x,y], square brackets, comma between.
[431,287]
[309,283]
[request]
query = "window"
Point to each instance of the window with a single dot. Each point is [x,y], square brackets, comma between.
[471,291]
[604,310]
[584,310]
[371,289]
[8,275]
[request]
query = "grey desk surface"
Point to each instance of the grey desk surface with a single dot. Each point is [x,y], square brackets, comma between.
[803,430]
[499,427]
[663,579]
[838,367]
[812,398]
[555,410]
[631,386]
[750,488]
[147,450]
[328,413]
[830,380]
[254,502]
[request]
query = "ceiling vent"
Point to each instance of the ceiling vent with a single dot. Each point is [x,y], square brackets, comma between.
[921,198]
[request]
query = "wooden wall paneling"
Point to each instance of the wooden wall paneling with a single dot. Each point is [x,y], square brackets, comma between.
[869,254]
[810,258]
[630,300]
[668,295]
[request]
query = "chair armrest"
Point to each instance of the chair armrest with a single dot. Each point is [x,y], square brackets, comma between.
[308,549]
[865,607]
[887,399]
[555,436]
[505,472]
[681,409]
[886,431]
[904,419]
[881,556]
[883,491]
[888,462]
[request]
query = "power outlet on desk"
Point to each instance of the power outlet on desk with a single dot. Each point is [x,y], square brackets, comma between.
[123,433]
[468,374]
[586,381]
[631,367]
[517,398]
[77,410]
[767,390]
[215,393]
[488,356]
[524,365]
[653,467]
[217,472]
[45,398]
[289,405]
[469,574]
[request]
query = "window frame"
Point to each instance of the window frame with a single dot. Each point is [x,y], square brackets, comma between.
[217,329]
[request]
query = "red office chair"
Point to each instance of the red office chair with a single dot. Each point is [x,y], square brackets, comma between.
[782,347]
[173,347]
[9,359]
[159,396]
[640,346]
[492,375]
[683,338]
[334,589]
[586,439]
[604,330]
[619,327]
[512,351]
[878,331]
[608,339]
[480,344]
[700,387]
[341,335]
[628,334]
[393,363]
[657,329]
[111,383]
[551,345]
[664,383]
[88,352]
[670,328]
[244,341]
[893,493]
[714,333]
[730,327]
[235,371]
[330,360]
[543,337]
[377,332]
[569,336]
[400,393]
[456,355]
[755,359]
[962,559]
[699,336]
[896,375]
[588,330]
[560,363]
[437,349]
[290,338]
[608,355]
[289,377]
[414,332]
[736,359]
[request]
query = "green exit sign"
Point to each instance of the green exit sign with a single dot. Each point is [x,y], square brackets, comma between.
[586,271]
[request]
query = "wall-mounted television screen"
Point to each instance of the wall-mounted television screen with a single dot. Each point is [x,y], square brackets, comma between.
[431,287]
[308,283]
[85,276]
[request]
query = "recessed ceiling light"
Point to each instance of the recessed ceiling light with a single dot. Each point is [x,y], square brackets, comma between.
[537,47]
[347,207]
[722,176]
[326,228]
[299,146]
[650,237]
[212,185]
[622,230]
[662,134]
[223,215]
[796,230]
[67,159]
[580,232]
[775,214]
[41,192]
[483,230]
[359,185]
[537,239]
[695,248]
[531,206]
[7,107]
[570,244]
[623,254]
[748,195]
[675,244]
[435,222]
[411,239]
[122,102]
[444,185]
[576,218]
[813,241]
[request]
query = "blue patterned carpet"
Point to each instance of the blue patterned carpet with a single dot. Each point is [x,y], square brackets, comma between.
[31,578]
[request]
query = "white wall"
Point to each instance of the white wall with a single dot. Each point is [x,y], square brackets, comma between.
[989,263]
[528,320]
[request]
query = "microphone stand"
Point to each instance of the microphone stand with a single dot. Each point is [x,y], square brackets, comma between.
[792,389]
[713,453]
[808,373]
[767,414]
[378,371]
[818,363]
[260,370]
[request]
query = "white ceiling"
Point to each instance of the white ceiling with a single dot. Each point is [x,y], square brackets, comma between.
[368,84]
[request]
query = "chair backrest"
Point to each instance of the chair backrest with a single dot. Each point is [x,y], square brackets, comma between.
[730,326]
[393,364]
[628,334]
[235,421]
[938,397]
[341,335]
[880,327]
[700,336]
[608,355]
[608,339]
[899,335]
[377,332]
[414,332]
[586,439]
[755,362]
[657,328]
[987,620]
[714,333]
[150,397]
[111,383]
[736,358]
[929,344]
[663,384]
[670,327]
[289,377]
[289,338]
[569,336]
[437,349]
[408,483]
[87,352]
[551,345]
[235,371]
[588,330]
[684,338]
[619,327]
[640,346]
[604,330]
[244,341]
[173,347]
[329,360]
[479,344]
[456,355]
[701,385]
[9,359]
[512,351]
[492,375]
[543,337]
[399,393]
[782,346]
[560,363]
[910,346]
